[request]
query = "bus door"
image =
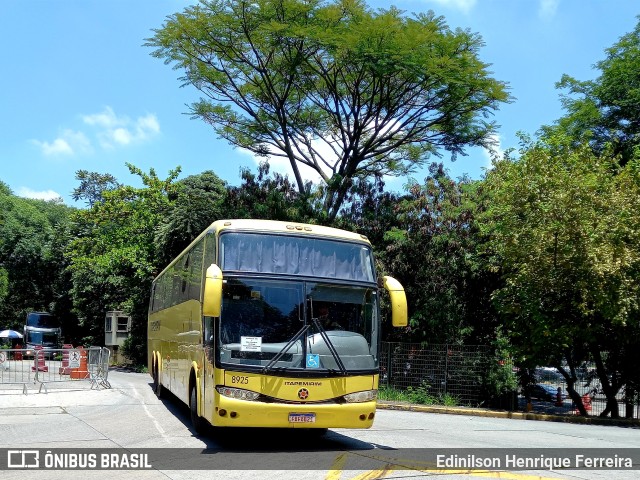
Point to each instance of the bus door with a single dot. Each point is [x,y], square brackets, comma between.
[207,380]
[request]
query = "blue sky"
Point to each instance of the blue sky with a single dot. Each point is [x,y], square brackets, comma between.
[78,89]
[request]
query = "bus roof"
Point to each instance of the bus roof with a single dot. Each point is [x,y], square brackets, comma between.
[274,226]
[277,226]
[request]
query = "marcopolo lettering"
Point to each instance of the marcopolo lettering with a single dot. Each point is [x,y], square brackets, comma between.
[303,384]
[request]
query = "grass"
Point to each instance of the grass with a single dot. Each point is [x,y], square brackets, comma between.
[417,395]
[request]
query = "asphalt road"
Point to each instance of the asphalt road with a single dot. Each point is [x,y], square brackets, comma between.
[129,416]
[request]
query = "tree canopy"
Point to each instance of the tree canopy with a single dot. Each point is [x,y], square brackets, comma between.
[564,234]
[33,236]
[334,86]
[606,111]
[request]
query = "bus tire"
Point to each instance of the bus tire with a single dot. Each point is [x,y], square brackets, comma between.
[157,386]
[196,420]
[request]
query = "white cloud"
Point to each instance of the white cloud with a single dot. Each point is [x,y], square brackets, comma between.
[108,128]
[43,195]
[106,119]
[121,136]
[323,151]
[283,167]
[462,5]
[58,147]
[68,143]
[548,8]
[147,125]
[121,130]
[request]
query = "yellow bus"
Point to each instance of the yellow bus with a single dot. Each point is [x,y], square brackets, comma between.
[263,323]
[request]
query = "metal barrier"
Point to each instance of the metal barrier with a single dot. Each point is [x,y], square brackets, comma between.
[13,371]
[42,367]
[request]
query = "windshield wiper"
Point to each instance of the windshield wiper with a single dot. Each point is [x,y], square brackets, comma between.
[330,346]
[285,349]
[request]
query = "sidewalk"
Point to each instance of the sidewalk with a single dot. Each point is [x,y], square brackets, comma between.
[552,413]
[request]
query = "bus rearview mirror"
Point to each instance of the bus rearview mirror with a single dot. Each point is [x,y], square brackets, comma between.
[212,301]
[398,301]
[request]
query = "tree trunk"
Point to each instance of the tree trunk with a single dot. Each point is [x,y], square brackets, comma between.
[571,378]
[609,388]
[629,403]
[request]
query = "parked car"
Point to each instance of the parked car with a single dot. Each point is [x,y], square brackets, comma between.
[548,374]
[545,392]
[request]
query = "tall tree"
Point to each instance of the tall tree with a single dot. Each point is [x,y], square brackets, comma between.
[606,110]
[114,257]
[333,86]
[433,252]
[565,235]
[195,202]
[92,186]
[33,236]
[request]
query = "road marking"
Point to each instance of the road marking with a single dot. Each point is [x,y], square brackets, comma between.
[337,467]
[156,424]
[374,474]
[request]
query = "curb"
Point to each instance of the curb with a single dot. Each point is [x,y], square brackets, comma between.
[481,412]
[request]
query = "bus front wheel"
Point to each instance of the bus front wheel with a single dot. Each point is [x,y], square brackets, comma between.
[196,420]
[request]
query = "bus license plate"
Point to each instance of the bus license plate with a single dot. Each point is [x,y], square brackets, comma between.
[302,418]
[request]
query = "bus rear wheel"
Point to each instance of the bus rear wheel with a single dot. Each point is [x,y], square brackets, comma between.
[157,386]
[196,420]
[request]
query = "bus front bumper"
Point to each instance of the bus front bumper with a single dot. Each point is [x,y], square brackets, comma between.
[240,413]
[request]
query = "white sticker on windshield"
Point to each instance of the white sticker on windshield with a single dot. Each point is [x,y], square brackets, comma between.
[250,344]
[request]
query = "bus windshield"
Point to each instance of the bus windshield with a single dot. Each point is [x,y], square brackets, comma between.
[42,320]
[288,325]
[47,339]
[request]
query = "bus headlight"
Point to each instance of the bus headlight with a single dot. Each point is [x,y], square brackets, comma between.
[359,397]
[237,393]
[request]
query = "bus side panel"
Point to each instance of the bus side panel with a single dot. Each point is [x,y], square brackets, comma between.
[179,344]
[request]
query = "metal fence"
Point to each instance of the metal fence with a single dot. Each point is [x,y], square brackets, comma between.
[462,373]
[549,380]
[437,370]
[39,368]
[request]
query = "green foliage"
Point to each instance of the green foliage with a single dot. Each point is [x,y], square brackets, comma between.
[93,185]
[32,238]
[195,203]
[500,377]
[432,251]
[113,255]
[268,195]
[417,395]
[134,350]
[565,236]
[379,90]
[605,111]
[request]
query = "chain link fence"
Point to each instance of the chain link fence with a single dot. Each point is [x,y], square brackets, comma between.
[472,375]
[456,371]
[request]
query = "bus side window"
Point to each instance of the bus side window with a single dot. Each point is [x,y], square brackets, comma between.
[196,274]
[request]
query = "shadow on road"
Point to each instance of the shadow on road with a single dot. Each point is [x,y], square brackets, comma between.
[240,439]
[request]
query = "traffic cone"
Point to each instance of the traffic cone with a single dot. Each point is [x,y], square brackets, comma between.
[38,360]
[82,371]
[65,369]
